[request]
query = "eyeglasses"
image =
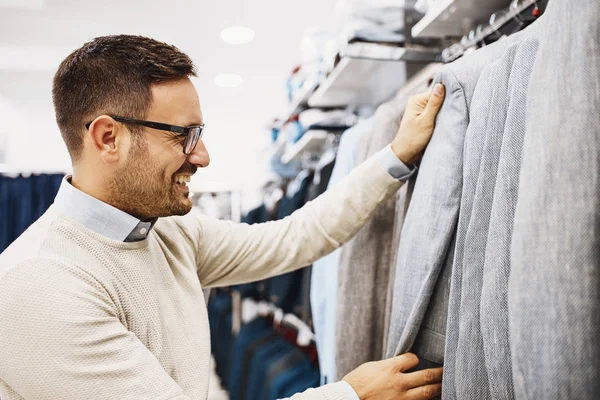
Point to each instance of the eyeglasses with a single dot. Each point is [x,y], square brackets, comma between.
[192,133]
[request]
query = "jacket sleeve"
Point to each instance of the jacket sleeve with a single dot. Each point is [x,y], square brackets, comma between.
[64,338]
[230,253]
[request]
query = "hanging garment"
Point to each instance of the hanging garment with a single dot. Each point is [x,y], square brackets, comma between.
[322,175]
[365,262]
[323,291]
[429,238]
[465,375]
[420,82]
[264,356]
[253,332]
[402,200]
[430,223]
[285,291]
[496,267]
[554,286]
[219,316]
[483,150]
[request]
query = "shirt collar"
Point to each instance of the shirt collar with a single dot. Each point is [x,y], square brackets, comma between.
[99,216]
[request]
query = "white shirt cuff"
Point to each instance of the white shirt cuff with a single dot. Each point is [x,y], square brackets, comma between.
[392,164]
[350,393]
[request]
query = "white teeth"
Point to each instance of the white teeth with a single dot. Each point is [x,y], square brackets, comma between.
[183,179]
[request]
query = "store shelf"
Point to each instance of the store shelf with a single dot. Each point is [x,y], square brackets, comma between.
[447,18]
[298,104]
[359,82]
[312,141]
[374,51]
[368,74]
[502,20]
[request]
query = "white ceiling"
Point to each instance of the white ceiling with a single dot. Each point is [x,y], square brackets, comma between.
[35,35]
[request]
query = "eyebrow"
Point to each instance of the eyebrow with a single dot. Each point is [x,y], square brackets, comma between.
[194,123]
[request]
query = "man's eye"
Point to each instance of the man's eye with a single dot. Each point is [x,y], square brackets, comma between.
[177,139]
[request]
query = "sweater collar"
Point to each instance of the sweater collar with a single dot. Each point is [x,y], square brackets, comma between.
[99,216]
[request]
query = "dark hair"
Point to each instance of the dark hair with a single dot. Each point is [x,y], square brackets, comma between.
[112,75]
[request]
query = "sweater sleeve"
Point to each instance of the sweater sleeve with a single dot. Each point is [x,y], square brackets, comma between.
[230,253]
[63,338]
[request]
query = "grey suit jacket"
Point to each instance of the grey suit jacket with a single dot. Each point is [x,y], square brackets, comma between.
[436,224]
[431,219]
[496,268]
[472,380]
[554,286]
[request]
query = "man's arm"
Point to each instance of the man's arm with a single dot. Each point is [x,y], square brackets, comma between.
[61,338]
[231,253]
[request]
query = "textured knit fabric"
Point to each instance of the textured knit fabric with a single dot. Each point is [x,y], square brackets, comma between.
[84,316]
[471,379]
[464,374]
[430,240]
[365,262]
[496,268]
[324,278]
[554,287]
[430,221]
[403,198]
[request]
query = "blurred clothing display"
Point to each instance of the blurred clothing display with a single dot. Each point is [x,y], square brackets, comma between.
[23,199]
[324,286]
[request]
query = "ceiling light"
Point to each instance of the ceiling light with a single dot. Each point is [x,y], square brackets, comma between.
[228,80]
[237,35]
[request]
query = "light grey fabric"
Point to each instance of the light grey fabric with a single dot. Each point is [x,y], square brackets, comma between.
[430,342]
[554,285]
[496,268]
[471,380]
[365,263]
[474,142]
[431,219]
[435,229]
[403,198]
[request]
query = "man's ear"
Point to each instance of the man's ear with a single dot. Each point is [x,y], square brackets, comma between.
[106,138]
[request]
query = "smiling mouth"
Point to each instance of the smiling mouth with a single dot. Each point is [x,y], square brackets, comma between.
[182,180]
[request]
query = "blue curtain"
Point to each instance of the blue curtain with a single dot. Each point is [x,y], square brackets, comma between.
[22,201]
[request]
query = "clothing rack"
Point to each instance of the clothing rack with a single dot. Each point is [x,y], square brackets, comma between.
[497,26]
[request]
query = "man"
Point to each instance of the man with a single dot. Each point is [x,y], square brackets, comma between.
[101,298]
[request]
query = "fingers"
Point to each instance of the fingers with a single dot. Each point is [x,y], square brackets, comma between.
[404,362]
[424,392]
[422,378]
[436,99]
[420,100]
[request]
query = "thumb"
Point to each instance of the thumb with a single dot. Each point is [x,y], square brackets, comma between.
[436,99]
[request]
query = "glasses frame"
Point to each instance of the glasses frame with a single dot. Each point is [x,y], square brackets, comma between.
[193,132]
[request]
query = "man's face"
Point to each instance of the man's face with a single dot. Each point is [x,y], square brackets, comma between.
[149,184]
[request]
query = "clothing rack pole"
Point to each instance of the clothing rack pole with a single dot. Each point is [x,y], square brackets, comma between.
[456,50]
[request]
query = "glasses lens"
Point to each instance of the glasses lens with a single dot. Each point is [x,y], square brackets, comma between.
[192,139]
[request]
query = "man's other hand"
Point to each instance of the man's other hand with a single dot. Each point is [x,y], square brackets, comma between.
[417,125]
[387,380]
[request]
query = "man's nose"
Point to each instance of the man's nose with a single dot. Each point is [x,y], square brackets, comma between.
[199,156]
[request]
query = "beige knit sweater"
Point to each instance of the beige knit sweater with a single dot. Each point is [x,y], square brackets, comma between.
[86,317]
